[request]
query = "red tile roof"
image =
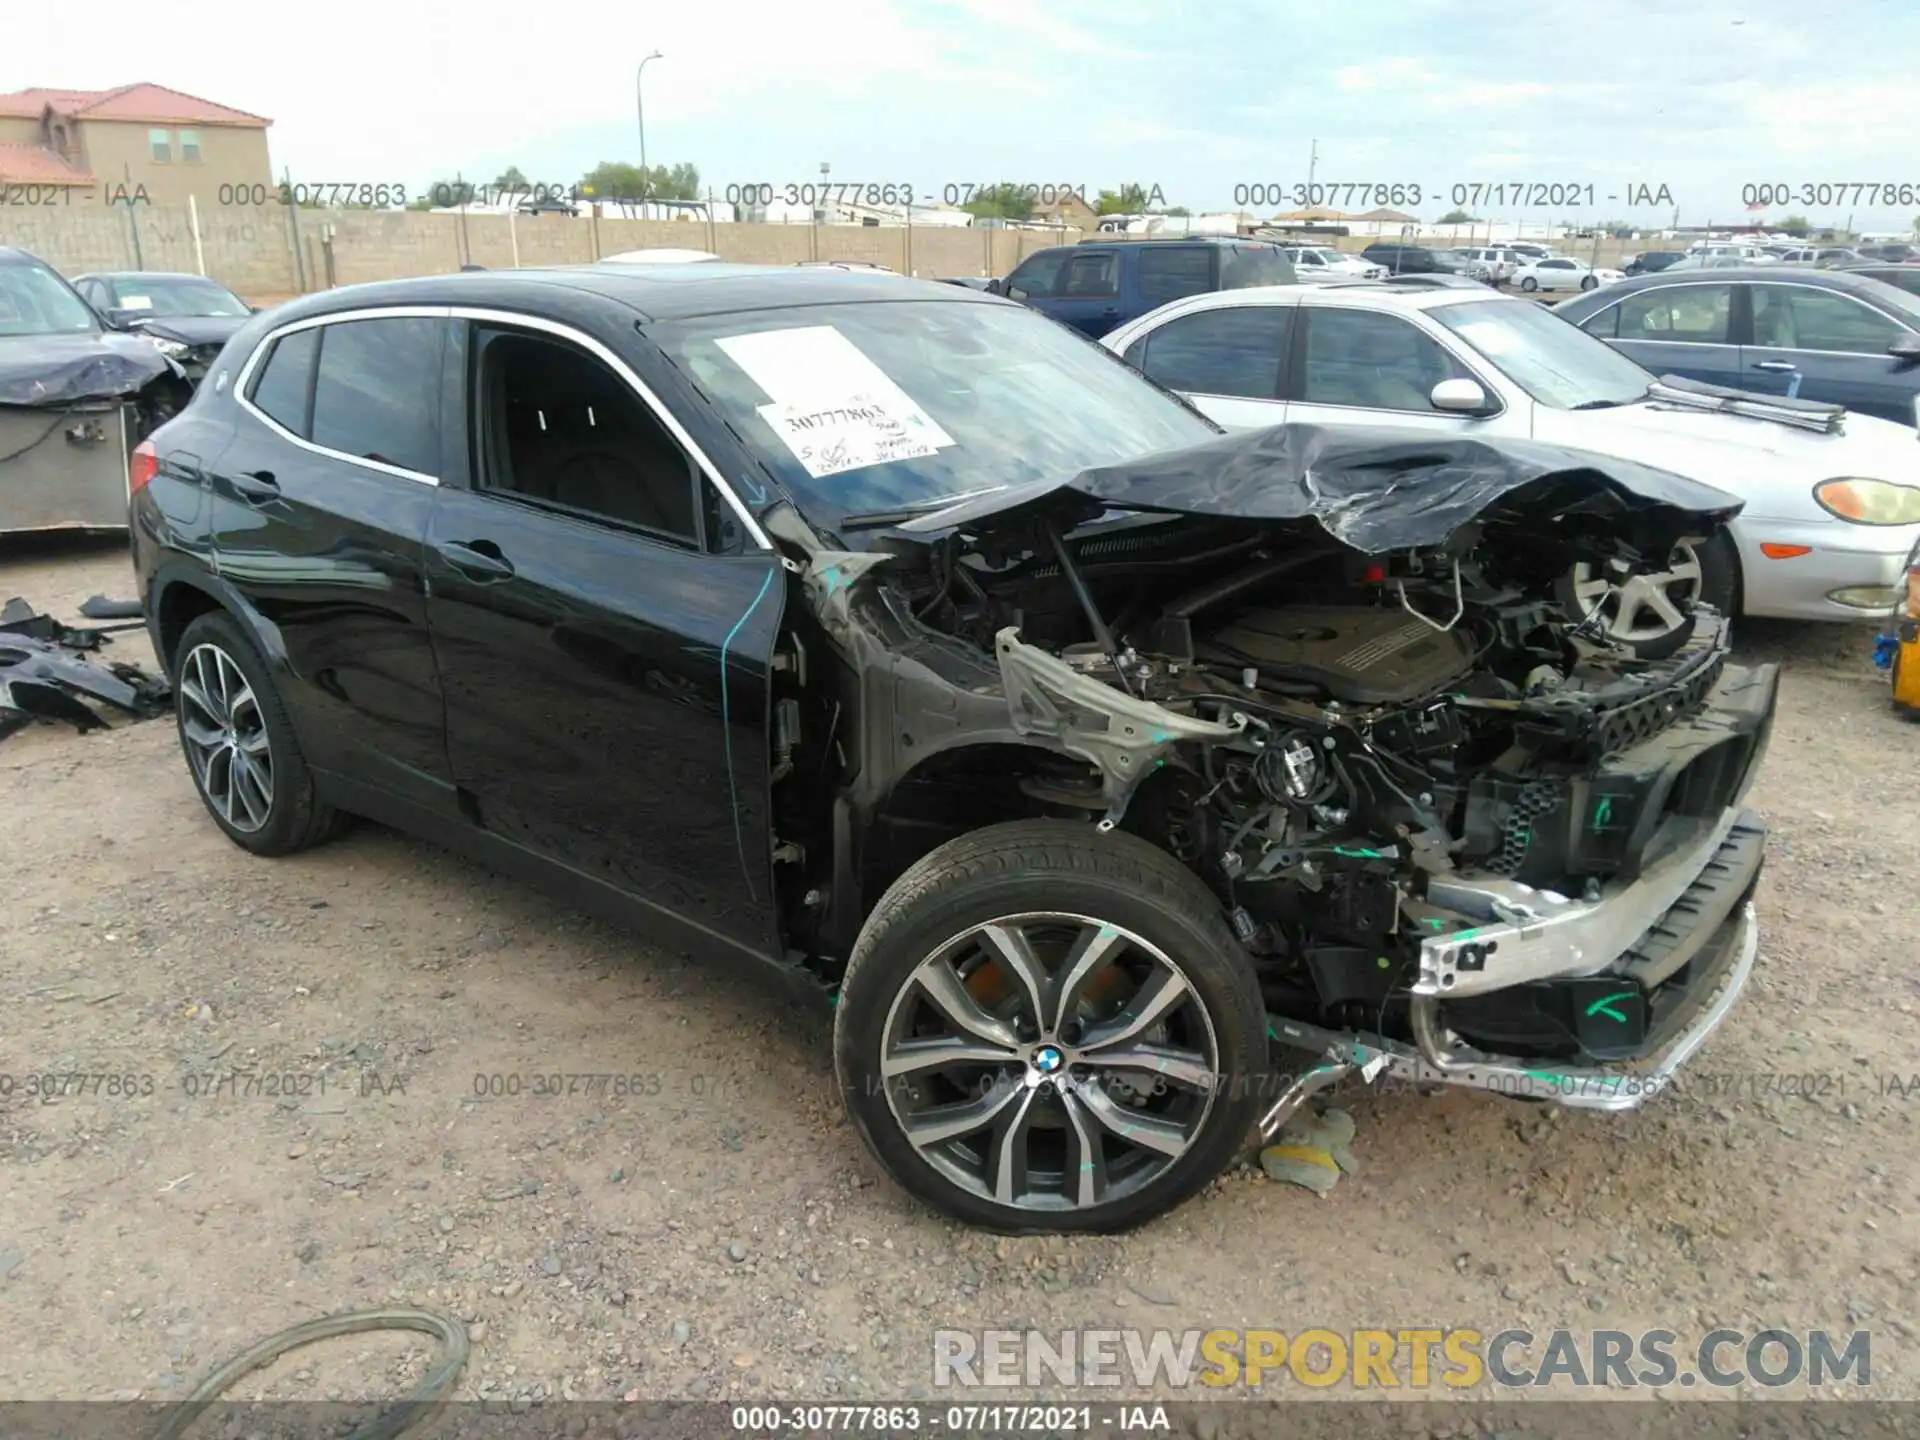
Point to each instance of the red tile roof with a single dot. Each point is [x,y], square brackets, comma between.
[36,165]
[140,102]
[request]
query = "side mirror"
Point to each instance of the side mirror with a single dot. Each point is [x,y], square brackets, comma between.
[124,319]
[1907,348]
[1459,397]
[996,286]
[1014,292]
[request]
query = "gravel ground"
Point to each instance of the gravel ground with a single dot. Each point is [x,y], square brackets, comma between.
[718,1231]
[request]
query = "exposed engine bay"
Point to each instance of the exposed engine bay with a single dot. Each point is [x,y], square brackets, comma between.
[1372,758]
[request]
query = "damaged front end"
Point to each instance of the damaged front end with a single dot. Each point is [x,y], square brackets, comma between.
[71,409]
[1462,837]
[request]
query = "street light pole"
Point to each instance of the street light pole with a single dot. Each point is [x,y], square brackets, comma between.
[640,106]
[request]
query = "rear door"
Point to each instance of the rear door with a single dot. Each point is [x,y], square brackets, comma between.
[605,635]
[318,514]
[1165,273]
[1824,345]
[1227,361]
[1685,330]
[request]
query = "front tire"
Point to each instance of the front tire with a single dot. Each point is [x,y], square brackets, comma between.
[1044,1029]
[1529,284]
[1587,282]
[240,746]
[1652,615]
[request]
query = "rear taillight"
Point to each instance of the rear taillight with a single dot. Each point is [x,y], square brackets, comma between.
[142,466]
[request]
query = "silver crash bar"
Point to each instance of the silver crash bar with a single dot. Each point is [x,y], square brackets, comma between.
[1625,1088]
[1533,934]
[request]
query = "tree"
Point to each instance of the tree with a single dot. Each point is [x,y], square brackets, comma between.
[1794,225]
[1177,210]
[616,180]
[1916,224]
[442,194]
[1127,200]
[511,179]
[1001,202]
[1458,217]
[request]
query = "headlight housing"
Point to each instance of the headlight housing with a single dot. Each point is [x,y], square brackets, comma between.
[1869,502]
[172,349]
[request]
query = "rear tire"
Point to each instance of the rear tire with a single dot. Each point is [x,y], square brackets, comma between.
[1529,284]
[239,744]
[991,1003]
[1587,282]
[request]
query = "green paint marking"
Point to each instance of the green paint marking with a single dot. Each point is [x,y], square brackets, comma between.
[1604,1006]
[1383,962]
[834,578]
[1160,737]
[1602,812]
[1358,852]
[1526,836]
[1434,922]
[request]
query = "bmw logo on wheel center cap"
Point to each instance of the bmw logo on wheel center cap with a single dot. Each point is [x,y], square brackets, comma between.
[1048,1059]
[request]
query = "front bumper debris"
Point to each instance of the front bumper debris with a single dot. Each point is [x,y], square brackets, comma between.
[1609,1088]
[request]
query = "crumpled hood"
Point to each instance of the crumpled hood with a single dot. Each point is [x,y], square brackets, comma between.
[62,369]
[194,329]
[1373,489]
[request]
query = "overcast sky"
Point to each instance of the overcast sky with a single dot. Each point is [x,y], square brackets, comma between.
[1702,97]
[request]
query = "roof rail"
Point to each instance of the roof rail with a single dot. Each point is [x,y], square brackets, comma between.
[1800,414]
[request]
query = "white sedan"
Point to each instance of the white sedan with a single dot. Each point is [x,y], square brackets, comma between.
[1560,273]
[1318,262]
[1830,519]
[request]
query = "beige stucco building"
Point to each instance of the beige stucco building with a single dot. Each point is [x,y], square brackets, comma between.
[138,136]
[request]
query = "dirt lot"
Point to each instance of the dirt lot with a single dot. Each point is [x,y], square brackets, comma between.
[718,1230]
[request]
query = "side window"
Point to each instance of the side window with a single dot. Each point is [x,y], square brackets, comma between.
[555,425]
[1378,362]
[1088,277]
[1794,318]
[1222,352]
[1690,314]
[284,387]
[377,393]
[1172,272]
[1037,275]
[1605,325]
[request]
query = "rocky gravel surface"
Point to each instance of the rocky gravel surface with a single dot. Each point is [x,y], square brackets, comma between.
[334,1086]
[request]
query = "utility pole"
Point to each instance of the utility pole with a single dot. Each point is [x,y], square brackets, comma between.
[640,107]
[1313,164]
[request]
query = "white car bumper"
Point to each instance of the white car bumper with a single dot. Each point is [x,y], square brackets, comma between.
[1870,561]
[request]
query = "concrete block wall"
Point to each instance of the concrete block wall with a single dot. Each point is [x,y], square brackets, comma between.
[269,252]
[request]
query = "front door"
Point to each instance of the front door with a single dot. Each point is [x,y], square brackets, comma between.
[319,515]
[1823,345]
[605,659]
[1684,330]
[1086,294]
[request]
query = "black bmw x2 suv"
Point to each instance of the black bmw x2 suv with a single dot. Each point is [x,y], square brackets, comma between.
[1119,783]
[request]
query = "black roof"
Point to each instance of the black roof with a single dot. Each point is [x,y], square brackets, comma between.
[654,292]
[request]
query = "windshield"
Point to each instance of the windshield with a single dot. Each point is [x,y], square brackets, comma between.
[35,301]
[879,406]
[1555,362]
[168,295]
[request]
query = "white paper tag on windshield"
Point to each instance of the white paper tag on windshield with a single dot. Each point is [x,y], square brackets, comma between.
[136,302]
[831,405]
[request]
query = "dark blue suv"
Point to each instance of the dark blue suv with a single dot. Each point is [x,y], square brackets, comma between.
[1096,286]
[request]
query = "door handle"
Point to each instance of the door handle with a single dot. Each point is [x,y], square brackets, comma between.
[1776,367]
[478,560]
[256,485]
